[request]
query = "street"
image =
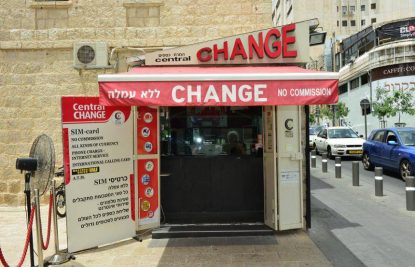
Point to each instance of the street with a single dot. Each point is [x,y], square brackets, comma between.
[352,227]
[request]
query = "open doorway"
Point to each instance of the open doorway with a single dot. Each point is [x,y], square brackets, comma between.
[211,165]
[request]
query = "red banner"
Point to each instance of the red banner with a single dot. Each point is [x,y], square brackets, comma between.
[219,93]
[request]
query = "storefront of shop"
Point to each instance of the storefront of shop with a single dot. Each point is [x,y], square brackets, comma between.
[220,141]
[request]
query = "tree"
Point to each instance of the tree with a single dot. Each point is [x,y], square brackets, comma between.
[341,110]
[382,107]
[312,118]
[325,111]
[391,102]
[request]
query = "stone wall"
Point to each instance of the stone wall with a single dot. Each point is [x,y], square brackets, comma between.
[36,57]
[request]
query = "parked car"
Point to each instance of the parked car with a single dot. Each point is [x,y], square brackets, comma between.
[311,136]
[338,141]
[313,131]
[391,148]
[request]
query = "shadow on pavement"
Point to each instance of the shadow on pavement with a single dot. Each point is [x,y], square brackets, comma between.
[323,221]
[317,184]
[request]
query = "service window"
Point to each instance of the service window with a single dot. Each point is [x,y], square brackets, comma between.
[211,131]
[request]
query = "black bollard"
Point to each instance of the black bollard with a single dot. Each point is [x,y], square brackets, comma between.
[313,159]
[355,165]
[410,193]
[338,167]
[324,162]
[378,181]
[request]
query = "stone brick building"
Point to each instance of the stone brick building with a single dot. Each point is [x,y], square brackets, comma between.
[36,57]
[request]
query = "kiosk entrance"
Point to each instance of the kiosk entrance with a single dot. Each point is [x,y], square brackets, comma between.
[211,158]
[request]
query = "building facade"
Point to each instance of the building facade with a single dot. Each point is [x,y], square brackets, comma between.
[39,59]
[339,19]
[374,63]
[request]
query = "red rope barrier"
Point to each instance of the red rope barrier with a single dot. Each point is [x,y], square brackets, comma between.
[29,231]
[45,246]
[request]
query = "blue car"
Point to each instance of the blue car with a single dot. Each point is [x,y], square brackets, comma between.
[391,148]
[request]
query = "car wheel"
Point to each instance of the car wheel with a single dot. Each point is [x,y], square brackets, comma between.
[366,162]
[329,155]
[405,169]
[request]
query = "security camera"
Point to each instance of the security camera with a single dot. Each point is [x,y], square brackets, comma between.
[26,164]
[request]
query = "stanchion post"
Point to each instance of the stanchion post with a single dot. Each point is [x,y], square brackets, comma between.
[29,208]
[313,158]
[338,167]
[378,181]
[58,257]
[324,162]
[38,230]
[410,193]
[355,165]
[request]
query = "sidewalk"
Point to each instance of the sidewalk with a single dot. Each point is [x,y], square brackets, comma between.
[291,248]
[378,231]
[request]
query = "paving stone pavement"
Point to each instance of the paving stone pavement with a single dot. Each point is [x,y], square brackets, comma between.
[287,249]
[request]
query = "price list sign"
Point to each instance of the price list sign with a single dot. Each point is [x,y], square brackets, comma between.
[99,167]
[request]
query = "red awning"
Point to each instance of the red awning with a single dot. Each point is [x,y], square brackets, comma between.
[218,86]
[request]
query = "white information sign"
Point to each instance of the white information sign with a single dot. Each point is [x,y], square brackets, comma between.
[98,149]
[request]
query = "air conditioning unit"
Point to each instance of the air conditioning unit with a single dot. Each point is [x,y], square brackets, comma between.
[90,55]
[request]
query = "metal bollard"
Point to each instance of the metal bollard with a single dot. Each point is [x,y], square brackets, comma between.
[313,159]
[410,193]
[38,231]
[355,165]
[378,181]
[338,167]
[324,162]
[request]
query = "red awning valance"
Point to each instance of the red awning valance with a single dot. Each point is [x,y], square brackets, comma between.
[218,86]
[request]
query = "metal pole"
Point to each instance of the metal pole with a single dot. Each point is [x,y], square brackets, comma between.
[338,167]
[55,217]
[355,165]
[38,230]
[29,208]
[313,159]
[410,193]
[365,124]
[324,162]
[58,257]
[378,181]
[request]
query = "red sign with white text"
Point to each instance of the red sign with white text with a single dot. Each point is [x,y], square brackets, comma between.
[219,93]
[89,110]
[147,121]
[148,191]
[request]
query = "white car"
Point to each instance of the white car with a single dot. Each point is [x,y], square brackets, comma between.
[338,141]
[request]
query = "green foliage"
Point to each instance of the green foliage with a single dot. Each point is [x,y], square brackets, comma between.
[312,118]
[325,111]
[391,102]
[341,110]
